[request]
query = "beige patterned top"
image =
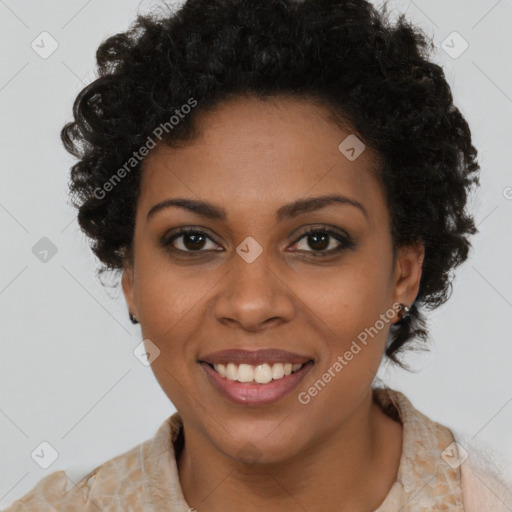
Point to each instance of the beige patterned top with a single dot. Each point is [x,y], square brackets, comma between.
[145,478]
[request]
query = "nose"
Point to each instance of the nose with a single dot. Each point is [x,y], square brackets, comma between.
[254,296]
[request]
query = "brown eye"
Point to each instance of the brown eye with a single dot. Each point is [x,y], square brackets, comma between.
[322,241]
[318,241]
[189,240]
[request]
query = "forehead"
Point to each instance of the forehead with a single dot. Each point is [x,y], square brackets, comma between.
[261,154]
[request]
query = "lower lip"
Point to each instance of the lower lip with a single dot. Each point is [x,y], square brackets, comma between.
[250,394]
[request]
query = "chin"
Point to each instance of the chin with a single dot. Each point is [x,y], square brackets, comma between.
[267,446]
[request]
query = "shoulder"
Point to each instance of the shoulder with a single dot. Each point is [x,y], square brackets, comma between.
[474,480]
[484,490]
[120,479]
[483,482]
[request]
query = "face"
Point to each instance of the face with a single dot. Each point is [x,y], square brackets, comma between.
[251,277]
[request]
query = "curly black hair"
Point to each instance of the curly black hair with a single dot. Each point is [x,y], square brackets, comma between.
[370,72]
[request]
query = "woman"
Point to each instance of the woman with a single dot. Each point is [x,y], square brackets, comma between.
[283,187]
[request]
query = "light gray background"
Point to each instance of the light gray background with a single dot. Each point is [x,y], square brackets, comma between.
[67,372]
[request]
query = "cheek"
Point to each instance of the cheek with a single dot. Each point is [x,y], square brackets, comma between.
[349,298]
[168,306]
[170,311]
[167,294]
[352,307]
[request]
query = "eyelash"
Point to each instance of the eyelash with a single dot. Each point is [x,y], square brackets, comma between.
[345,242]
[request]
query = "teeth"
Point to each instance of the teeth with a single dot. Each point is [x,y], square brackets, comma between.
[277,371]
[262,373]
[231,371]
[245,373]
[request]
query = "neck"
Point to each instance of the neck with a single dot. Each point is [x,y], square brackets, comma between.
[351,468]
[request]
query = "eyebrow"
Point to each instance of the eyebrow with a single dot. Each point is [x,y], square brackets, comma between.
[288,211]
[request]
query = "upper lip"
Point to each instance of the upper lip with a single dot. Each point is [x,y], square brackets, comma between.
[254,357]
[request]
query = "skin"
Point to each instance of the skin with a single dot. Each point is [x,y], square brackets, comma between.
[339,451]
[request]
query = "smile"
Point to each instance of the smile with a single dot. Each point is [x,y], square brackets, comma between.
[251,393]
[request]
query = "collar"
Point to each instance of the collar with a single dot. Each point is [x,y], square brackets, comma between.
[424,481]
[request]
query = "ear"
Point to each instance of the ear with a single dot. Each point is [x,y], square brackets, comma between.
[127,282]
[408,271]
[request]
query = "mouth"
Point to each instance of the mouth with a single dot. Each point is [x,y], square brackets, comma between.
[255,378]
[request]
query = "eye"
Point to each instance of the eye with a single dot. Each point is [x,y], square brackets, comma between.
[323,241]
[192,240]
